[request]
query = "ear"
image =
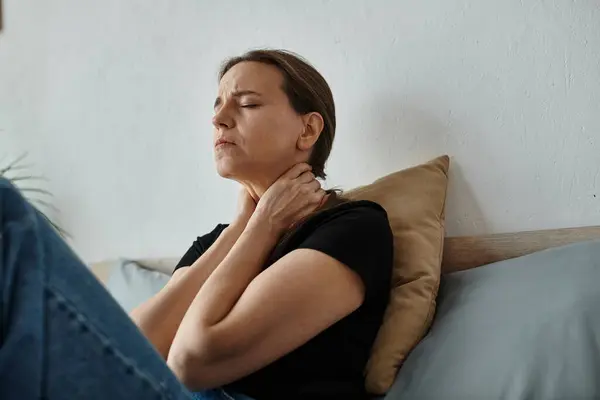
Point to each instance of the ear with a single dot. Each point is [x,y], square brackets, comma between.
[313,126]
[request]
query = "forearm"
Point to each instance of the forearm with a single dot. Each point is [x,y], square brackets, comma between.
[160,317]
[229,281]
[219,295]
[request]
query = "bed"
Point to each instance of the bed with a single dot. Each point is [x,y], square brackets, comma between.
[517,318]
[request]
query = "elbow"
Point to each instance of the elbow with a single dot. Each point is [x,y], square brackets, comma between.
[189,368]
[184,366]
[195,364]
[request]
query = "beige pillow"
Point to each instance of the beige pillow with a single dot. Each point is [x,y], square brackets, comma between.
[414,200]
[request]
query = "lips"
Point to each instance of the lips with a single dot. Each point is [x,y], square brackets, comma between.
[223,141]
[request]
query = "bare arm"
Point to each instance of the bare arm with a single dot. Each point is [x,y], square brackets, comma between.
[234,327]
[160,317]
[242,319]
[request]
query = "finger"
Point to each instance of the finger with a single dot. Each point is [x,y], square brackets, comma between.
[313,186]
[314,202]
[320,194]
[306,177]
[315,197]
[296,171]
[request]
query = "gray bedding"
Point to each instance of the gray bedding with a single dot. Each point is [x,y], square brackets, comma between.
[527,328]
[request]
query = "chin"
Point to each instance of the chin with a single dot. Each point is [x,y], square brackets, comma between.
[226,170]
[224,173]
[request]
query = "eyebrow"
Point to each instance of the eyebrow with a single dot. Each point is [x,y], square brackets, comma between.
[239,93]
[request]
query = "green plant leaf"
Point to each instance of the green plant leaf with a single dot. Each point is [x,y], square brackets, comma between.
[60,230]
[17,165]
[28,178]
[13,169]
[13,164]
[45,204]
[36,190]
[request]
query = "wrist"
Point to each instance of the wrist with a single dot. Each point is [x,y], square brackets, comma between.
[237,225]
[240,221]
[263,227]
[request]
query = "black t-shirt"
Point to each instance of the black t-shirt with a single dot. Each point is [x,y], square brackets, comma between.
[331,365]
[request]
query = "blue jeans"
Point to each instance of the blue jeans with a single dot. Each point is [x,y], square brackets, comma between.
[62,336]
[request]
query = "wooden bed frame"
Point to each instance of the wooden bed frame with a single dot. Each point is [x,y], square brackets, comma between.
[467,252]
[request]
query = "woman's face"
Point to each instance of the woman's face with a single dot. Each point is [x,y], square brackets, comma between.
[256,130]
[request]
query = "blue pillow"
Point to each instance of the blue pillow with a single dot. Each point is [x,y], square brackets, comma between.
[131,284]
[526,328]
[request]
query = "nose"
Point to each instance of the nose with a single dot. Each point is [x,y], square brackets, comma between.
[222,119]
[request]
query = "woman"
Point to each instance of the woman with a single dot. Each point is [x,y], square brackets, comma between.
[283,303]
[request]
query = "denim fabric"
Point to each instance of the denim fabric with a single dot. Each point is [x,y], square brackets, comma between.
[219,394]
[62,336]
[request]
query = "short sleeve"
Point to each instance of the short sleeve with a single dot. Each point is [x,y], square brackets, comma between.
[199,246]
[361,239]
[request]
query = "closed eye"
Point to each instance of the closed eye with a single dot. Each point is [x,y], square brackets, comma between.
[250,106]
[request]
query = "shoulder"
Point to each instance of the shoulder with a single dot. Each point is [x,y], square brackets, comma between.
[359,217]
[360,229]
[358,235]
[199,246]
[215,233]
[205,241]
[363,210]
[353,230]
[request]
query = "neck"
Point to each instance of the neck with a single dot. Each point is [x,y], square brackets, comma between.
[256,189]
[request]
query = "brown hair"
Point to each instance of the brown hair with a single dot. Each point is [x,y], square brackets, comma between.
[307,91]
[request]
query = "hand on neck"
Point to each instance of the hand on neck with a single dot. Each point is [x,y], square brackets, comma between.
[257,187]
[255,191]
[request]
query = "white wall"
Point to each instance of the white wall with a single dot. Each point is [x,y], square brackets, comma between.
[113,101]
